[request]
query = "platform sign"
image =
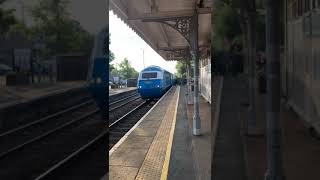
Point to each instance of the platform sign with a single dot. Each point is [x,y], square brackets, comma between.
[22,59]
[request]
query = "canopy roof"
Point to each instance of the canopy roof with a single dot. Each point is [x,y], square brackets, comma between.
[140,16]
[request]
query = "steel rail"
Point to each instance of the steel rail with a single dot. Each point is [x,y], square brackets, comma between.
[123,104]
[124,116]
[33,140]
[114,102]
[73,155]
[45,118]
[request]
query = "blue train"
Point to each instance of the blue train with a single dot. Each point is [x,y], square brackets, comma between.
[153,82]
[98,75]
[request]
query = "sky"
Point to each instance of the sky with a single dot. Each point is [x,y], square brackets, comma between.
[126,43]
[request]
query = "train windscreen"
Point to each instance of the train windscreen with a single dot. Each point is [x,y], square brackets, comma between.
[149,75]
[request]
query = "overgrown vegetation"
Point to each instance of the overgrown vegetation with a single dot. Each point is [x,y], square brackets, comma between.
[111,56]
[226,27]
[181,69]
[7,19]
[60,33]
[124,70]
[54,28]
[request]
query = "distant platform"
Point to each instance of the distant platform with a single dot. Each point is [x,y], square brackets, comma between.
[14,94]
[120,90]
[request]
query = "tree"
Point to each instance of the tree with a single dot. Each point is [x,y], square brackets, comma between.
[181,69]
[226,27]
[61,33]
[7,19]
[19,28]
[111,56]
[126,70]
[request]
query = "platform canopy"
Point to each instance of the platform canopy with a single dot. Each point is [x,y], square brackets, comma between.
[165,24]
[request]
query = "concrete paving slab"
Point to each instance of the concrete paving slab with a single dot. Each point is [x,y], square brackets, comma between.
[228,160]
[150,124]
[145,132]
[127,157]
[201,145]
[123,173]
[181,160]
[137,142]
[154,163]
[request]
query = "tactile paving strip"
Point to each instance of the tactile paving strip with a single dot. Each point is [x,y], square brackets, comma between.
[151,168]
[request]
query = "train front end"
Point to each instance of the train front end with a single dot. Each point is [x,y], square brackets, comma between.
[150,84]
[98,76]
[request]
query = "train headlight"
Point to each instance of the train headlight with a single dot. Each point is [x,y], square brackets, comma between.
[140,87]
[98,80]
[158,85]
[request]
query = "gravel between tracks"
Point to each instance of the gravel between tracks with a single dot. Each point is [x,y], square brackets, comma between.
[117,131]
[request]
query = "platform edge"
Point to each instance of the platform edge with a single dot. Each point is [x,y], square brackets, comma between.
[136,125]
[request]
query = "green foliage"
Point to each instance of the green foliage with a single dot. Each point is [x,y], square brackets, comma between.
[225,26]
[19,28]
[7,19]
[111,56]
[126,71]
[61,33]
[227,15]
[181,69]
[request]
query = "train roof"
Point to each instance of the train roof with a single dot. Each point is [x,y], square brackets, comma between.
[153,68]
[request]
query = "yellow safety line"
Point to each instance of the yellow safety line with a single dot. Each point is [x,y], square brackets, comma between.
[166,162]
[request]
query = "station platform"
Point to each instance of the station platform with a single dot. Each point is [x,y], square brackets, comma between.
[120,90]
[237,155]
[14,94]
[161,144]
[300,147]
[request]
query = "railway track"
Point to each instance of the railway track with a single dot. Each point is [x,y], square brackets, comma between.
[121,107]
[116,97]
[87,157]
[47,141]
[57,146]
[123,101]
[119,127]
[20,137]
